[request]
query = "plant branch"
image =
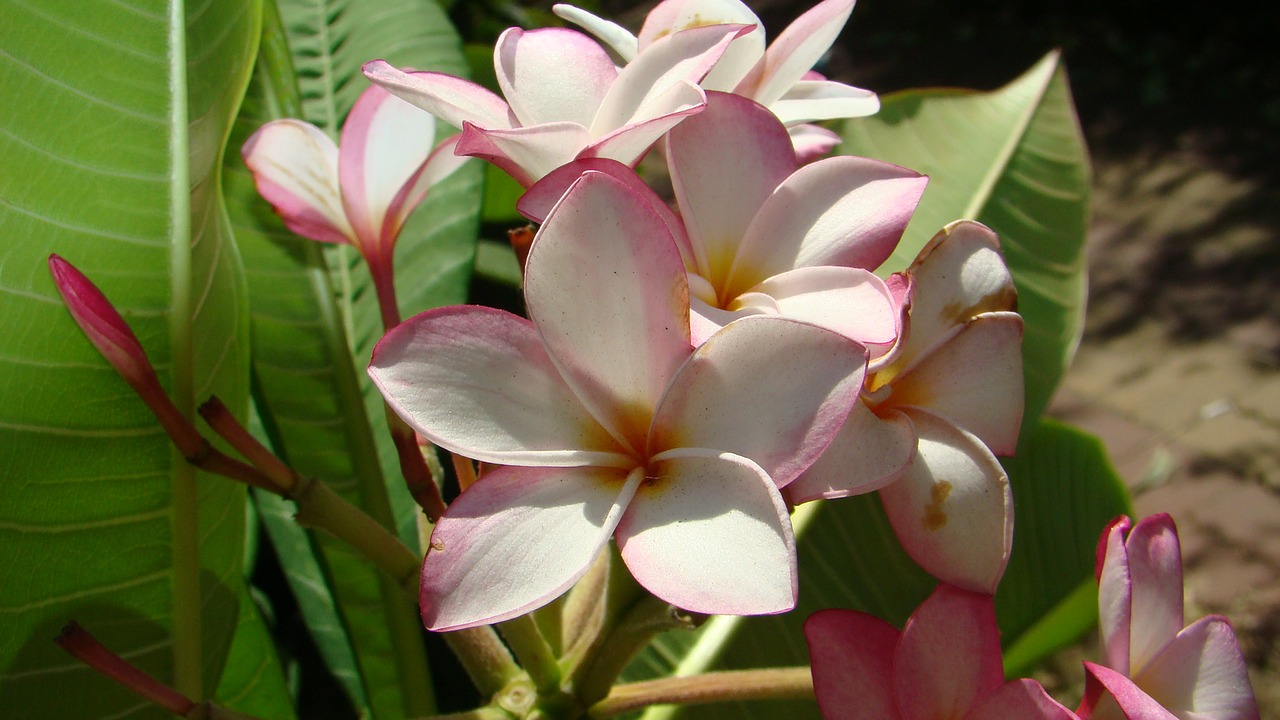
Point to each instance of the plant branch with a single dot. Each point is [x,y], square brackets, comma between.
[794,683]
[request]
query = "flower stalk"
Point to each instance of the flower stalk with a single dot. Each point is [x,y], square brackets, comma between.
[736,685]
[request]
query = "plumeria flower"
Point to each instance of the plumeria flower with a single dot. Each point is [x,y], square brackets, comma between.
[780,77]
[565,98]
[760,237]
[602,420]
[1154,668]
[944,665]
[360,192]
[933,412]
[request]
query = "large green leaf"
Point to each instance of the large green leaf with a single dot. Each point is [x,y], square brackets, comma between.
[313,330]
[110,143]
[1065,491]
[1015,160]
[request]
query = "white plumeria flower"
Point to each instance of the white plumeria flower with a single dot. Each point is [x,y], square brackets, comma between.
[779,77]
[933,412]
[760,237]
[606,422]
[565,98]
[1154,668]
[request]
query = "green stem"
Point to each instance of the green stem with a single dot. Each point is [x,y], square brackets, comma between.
[487,661]
[533,652]
[735,685]
[646,618]
[484,713]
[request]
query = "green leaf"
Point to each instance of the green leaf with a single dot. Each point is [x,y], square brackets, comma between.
[111,160]
[1013,159]
[1064,493]
[315,321]
[254,683]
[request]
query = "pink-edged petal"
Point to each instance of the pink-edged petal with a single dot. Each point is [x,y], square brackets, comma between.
[1020,700]
[838,211]
[630,142]
[958,275]
[949,655]
[709,532]
[1115,594]
[536,204]
[851,656]
[681,57]
[794,52]
[552,75]
[440,164]
[385,142]
[867,454]
[478,382]
[1202,674]
[605,286]
[732,138]
[812,100]
[811,142]
[850,301]
[1155,571]
[452,99]
[707,320]
[953,510]
[767,388]
[973,377]
[617,38]
[517,539]
[743,55]
[295,167]
[526,154]
[1110,695]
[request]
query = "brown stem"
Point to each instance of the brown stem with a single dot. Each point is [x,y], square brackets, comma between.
[734,685]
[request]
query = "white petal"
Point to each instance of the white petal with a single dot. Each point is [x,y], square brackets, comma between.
[867,454]
[767,388]
[517,539]
[452,99]
[1155,571]
[1202,674]
[850,301]
[812,100]
[674,15]
[794,52]
[552,75]
[708,532]
[477,381]
[952,510]
[617,38]
[812,142]
[526,154]
[295,167]
[630,142]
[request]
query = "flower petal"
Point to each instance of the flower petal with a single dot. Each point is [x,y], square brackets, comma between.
[1110,695]
[1020,700]
[452,99]
[952,510]
[478,382]
[681,57]
[674,15]
[552,75]
[1202,674]
[617,38]
[440,164]
[732,138]
[812,100]
[767,388]
[619,349]
[1115,594]
[812,142]
[949,655]
[385,142]
[851,655]
[709,533]
[839,211]
[1155,571]
[958,275]
[527,153]
[630,142]
[850,301]
[517,539]
[794,52]
[973,377]
[295,167]
[868,453]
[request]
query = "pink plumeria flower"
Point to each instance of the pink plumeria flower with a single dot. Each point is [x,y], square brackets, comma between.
[1154,668]
[604,421]
[565,98]
[944,665]
[361,191]
[779,77]
[774,240]
[935,410]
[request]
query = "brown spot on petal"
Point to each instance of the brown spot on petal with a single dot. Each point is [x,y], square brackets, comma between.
[935,516]
[437,546]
